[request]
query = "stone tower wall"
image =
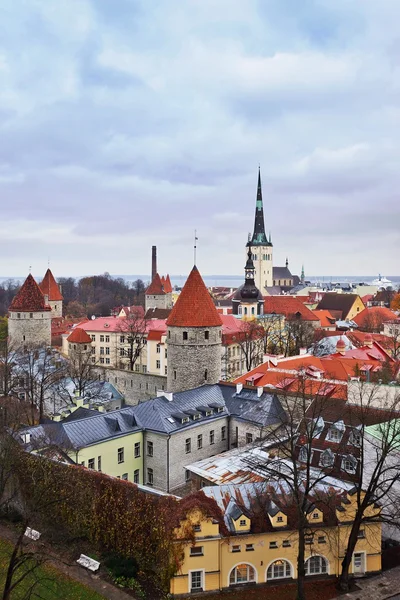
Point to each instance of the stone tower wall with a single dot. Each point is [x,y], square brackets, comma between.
[56,308]
[158,301]
[188,360]
[30,328]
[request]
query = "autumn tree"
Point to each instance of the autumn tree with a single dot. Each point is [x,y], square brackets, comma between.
[395,303]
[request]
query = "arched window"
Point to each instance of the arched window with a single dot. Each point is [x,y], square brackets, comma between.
[242,573]
[279,569]
[252,310]
[245,310]
[316,565]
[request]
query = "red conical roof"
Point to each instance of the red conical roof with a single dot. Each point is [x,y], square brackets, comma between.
[194,307]
[156,287]
[50,287]
[79,336]
[29,298]
[167,285]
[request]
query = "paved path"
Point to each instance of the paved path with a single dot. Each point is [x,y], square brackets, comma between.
[382,587]
[75,572]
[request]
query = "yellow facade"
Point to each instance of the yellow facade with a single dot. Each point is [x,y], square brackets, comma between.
[113,462]
[215,562]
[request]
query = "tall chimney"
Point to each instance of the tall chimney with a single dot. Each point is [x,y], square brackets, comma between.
[153,262]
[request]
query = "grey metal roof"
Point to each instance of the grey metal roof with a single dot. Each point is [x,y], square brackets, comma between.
[165,416]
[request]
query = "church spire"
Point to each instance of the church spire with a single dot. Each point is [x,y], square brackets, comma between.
[259,238]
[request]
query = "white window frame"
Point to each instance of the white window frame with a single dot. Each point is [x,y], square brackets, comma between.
[203,579]
[364,559]
[308,574]
[285,576]
[248,564]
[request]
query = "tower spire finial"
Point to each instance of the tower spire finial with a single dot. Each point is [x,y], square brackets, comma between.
[195,247]
[259,238]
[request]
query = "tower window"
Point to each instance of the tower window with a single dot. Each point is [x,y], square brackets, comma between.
[185,335]
[31,315]
[174,374]
[206,335]
[205,375]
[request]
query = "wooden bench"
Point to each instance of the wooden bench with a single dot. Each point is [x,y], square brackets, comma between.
[32,534]
[88,563]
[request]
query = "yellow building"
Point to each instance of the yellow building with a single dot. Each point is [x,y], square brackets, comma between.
[250,546]
[111,443]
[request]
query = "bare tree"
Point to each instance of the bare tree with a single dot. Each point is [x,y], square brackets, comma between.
[251,343]
[290,463]
[299,334]
[378,478]
[132,337]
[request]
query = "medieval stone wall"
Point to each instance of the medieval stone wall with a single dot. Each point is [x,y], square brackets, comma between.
[30,329]
[193,360]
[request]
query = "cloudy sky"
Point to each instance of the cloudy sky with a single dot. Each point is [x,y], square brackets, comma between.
[127,123]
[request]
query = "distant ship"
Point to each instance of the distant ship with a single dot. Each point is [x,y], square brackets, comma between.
[382,282]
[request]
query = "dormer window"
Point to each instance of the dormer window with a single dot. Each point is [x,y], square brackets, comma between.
[315,515]
[335,432]
[279,519]
[349,464]
[355,438]
[209,413]
[327,458]
[315,427]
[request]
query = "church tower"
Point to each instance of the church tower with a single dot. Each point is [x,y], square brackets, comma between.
[248,302]
[260,247]
[194,338]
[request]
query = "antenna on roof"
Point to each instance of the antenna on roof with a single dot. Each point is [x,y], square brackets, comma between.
[195,246]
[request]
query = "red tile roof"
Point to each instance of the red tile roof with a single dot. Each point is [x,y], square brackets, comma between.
[116,325]
[50,287]
[289,306]
[325,317]
[374,316]
[156,287]
[167,285]
[79,336]
[194,307]
[29,298]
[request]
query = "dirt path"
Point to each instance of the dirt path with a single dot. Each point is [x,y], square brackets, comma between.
[72,571]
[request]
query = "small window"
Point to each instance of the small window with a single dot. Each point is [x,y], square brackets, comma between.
[158,364]
[361,534]
[199,441]
[102,338]
[197,528]
[286,544]
[101,360]
[174,373]
[279,519]
[150,448]
[249,547]
[18,315]
[206,335]
[91,463]
[31,315]
[136,475]
[120,453]
[99,463]
[321,539]
[166,370]
[223,433]
[108,350]
[122,339]
[125,477]
[212,436]
[273,545]
[136,451]
[308,539]
[236,548]
[158,349]
[249,438]
[315,515]
[188,445]
[185,335]
[93,338]
[242,522]
[107,339]
[355,438]
[150,477]
[196,551]
[108,361]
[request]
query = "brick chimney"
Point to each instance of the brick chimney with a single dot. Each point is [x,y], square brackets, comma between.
[153,262]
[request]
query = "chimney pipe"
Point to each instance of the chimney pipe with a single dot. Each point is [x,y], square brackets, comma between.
[239,387]
[153,262]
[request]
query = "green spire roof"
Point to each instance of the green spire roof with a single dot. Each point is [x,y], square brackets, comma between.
[259,238]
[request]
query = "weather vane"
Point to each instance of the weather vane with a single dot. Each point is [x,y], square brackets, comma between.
[195,245]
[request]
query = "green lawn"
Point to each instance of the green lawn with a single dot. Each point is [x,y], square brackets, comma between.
[52,585]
